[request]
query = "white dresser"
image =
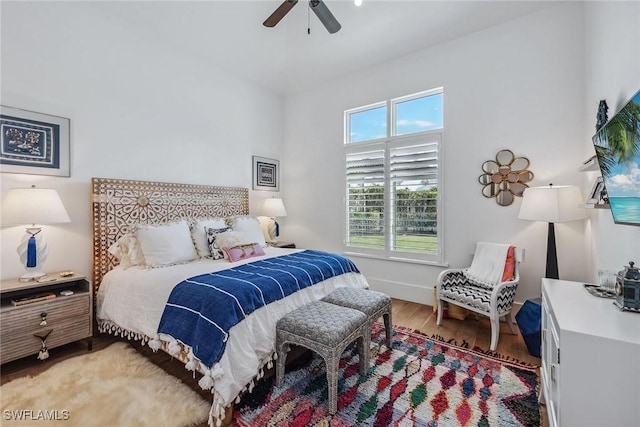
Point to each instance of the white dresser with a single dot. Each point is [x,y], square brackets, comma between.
[590,359]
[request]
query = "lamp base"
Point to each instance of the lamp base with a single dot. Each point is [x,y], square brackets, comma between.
[41,249]
[31,274]
[552,256]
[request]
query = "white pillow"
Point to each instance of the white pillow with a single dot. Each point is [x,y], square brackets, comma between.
[199,235]
[229,239]
[250,227]
[166,244]
[127,250]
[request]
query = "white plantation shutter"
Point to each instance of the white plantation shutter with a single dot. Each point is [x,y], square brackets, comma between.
[413,169]
[414,163]
[389,205]
[365,168]
[365,198]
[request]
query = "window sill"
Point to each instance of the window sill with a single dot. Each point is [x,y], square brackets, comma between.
[397,259]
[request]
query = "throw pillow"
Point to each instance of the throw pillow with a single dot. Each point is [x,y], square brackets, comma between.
[229,239]
[241,252]
[509,265]
[127,250]
[250,227]
[212,241]
[200,238]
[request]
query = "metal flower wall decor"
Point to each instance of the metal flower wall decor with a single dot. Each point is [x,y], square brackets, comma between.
[505,177]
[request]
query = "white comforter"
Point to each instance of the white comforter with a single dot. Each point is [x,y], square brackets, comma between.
[134,299]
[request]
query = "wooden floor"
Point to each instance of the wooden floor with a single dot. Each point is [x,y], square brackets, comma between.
[473,331]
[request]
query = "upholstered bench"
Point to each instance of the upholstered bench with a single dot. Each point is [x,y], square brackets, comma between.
[326,329]
[373,304]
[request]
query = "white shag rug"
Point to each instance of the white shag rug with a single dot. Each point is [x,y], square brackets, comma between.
[115,386]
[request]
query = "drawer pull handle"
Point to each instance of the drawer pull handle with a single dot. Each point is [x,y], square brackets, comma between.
[43,316]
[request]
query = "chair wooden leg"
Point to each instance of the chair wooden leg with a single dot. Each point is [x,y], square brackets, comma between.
[495,331]
[510,323]
[439,317]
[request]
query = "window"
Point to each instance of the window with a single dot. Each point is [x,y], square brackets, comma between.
[368,124]
[392,177]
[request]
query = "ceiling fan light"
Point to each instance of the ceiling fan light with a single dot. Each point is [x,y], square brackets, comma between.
[358,2]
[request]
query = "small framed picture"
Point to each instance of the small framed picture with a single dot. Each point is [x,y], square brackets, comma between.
[594,194]
[33,143]
[266,174]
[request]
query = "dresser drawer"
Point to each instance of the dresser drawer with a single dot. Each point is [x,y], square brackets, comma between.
[17,343]
[29,316]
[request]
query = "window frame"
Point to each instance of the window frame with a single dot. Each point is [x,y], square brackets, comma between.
[393,141]
[393,110]
[347,121]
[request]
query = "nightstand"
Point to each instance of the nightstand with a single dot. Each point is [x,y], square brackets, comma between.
[283,245]
[32,309]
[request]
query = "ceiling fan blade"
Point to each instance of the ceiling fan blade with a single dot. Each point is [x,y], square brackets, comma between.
[325,16]
[279,13]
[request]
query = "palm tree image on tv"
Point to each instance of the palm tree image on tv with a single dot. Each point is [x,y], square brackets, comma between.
[617,147]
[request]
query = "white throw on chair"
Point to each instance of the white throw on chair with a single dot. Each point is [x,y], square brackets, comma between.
[480,288]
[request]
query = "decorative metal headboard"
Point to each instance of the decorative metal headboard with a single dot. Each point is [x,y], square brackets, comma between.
[118,204]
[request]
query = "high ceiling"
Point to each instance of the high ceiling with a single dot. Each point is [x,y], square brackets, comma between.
[286,59]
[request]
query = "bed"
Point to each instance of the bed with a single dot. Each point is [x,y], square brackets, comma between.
[137,301]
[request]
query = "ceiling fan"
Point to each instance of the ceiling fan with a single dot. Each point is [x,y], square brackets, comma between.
[319,8]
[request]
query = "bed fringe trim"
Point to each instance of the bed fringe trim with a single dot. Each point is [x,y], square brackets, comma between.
[184,353]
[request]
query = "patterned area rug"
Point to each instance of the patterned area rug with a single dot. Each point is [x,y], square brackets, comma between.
[421,382]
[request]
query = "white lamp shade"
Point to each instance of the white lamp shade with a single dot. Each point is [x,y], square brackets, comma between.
[552,203]
[274,208]
[33,206]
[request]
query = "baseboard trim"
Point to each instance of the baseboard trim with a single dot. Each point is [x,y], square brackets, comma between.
[403,291]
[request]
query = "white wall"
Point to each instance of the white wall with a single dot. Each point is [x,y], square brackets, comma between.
[141,111]
[517,86]
[138,111]
[612,72]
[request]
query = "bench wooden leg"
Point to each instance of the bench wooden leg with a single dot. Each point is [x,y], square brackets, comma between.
[363,352]
[387,327]
[332,382]
[282,351]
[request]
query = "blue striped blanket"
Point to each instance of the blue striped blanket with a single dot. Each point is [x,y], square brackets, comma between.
[202,309]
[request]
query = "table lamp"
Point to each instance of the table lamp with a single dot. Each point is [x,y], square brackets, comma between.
[551,204]
[33,206]
[274,208]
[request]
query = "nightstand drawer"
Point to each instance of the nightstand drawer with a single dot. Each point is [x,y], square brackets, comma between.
[29,316]
[17,343]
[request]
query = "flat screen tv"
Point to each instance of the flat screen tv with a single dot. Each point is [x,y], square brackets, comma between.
[617,146]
